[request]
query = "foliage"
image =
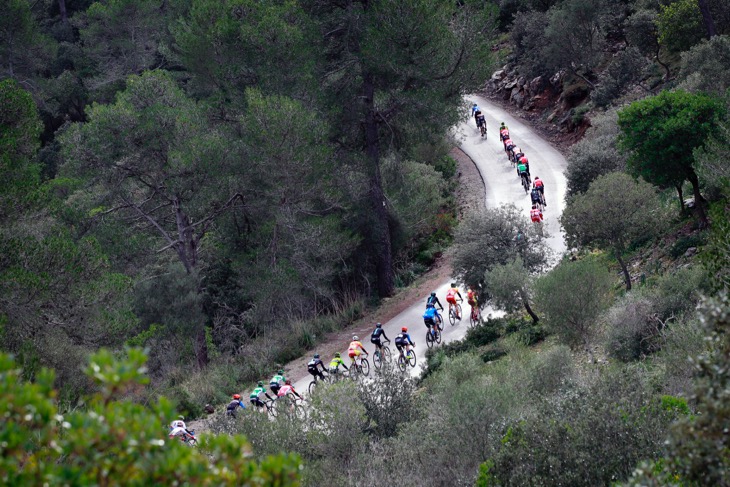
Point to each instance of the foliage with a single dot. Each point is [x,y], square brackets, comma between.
[20,129]
[571,296]
[496,236]
[623,73]
[129,444]
[595,154]
[633,329]
[584,436]
[663,131]
[706,67]
[680,25]
[698,444]
[615,211]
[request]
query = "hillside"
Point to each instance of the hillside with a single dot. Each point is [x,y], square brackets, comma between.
[197,193]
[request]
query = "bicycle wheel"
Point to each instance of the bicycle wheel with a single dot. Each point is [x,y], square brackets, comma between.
[299,411]
[365,367]
[312,386]
[440,323]
[452,317]
[458,308]
[402,362]
[387,357]
[272,408]
[377,360]
[473,317]
[438,337]
[412,358]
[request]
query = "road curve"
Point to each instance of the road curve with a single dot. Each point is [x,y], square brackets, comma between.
[502,187]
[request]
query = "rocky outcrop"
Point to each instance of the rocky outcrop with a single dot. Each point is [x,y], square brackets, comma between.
[539,95]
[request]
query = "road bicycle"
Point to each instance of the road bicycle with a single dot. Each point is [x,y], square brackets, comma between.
[316,380]
[404,360]
[432,337]
[363,368]
[483,129]
[382,355]
[475,317]
[295,408]
[525,182]
[454,313]
[439,321]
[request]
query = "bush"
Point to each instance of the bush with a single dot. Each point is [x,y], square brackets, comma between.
[595,154]
[115,442]
[632,329]
[485,333]
[683,243]
[526,331]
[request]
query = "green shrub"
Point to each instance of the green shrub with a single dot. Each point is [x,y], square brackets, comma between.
[485,333]
[683,243]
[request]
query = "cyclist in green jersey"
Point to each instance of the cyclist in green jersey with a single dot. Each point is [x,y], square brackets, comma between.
[522,171]
[277,381]
[335,364]
[257,394]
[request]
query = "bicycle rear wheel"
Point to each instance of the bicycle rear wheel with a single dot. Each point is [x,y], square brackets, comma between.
[412,358]
[402,362]
[429,339]
[377,360]
[458,308]
[272,409]
[365,367]
[452,317]
[438,337]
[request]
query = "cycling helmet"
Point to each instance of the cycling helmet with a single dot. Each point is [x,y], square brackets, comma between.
[404,329]
[260,384]
[355,337]
[316,355]
[378,325]
[281,371]
[433,293]
[337,354]
[288,382]
[236,396]
[475,105]
[453,284]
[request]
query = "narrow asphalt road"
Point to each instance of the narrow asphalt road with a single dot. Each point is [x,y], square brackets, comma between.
[502,187]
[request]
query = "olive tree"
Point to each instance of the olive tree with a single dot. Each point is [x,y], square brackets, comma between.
[494,237]
[571,296]
[508,286]
[614,212]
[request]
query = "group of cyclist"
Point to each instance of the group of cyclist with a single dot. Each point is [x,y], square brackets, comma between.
[518,157]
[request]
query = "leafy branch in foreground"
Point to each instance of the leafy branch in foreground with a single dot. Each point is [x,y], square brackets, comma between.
[115,442]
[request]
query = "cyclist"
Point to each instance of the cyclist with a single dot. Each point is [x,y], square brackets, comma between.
[403,340]
[524,161]
[507,142]
[287,390]
[276,381]
[481,121]
[178,428]
[510,149]
[316,367]
[335,364]
[503,131]
[451,299]
[474,109]
[233,405]
[535,214]
[538,185]
[355,349]
[256,394]
[434,300]
[517,154]
[535,196]
[522,173]
[375,337]
[471,298]
[429,319]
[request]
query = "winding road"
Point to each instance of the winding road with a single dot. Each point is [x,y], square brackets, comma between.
[502,187]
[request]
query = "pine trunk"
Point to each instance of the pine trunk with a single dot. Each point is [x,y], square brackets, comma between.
[379,229]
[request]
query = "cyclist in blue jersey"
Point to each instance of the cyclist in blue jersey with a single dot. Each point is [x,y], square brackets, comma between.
[476,112]
[375,337]
[403,340]
[429,319]
[433,300]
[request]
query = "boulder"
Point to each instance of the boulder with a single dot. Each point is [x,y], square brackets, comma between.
[499,74]
[510,85]
[536,85]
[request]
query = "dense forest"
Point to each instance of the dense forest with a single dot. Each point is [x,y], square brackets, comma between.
[220,183]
